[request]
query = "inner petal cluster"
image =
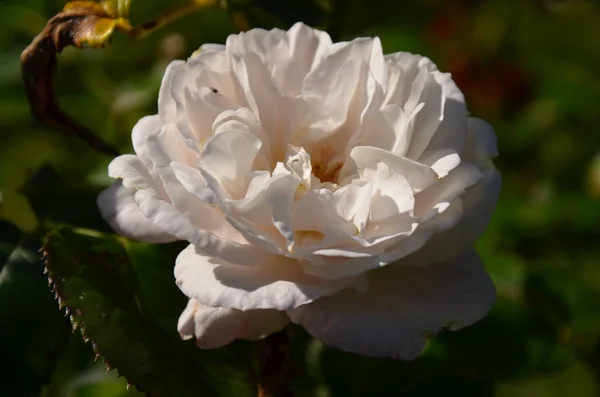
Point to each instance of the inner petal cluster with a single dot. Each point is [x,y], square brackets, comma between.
[343,161]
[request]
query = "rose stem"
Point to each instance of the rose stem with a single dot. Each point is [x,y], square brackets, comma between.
[276,367]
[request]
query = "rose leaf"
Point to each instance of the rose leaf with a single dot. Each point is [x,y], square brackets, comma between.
[34,333]
[123,297]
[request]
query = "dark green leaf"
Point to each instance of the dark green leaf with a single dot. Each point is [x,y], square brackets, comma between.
[77,374]
[153,265]
[9,238]
[33,332]
[111,301]
[52,198]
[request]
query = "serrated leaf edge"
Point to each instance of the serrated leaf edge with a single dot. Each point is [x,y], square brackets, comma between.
[55,287]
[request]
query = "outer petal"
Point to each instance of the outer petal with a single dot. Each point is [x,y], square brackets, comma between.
[167,106]
[481,143]
[403,73]
[122,213]
[362,49]
[271,108]
[184,214]
[144,128]
[479,202]
[163,213]
[306,47]
[218,326]
[403,307]
[280,284]
[258,41]
[288,55]
[154,204]
[193,93]
[434,200]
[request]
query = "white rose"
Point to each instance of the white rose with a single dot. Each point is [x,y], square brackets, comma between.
[326,184]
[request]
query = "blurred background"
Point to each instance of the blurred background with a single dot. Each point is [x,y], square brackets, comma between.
[531,68]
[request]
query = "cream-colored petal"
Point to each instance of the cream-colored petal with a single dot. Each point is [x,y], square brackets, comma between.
[479,204]
[276,284]
[122,213]
[403,307]
[215,327]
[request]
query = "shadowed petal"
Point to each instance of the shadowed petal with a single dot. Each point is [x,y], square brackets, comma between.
[279,284]
[218,326]
[122,213]
[403,307]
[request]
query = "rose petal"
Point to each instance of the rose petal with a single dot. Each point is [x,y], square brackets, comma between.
[367,50]
[167,106]
[145,127]
[441,161]
[402,69]
[122,213]
[402,309]
[215,327]
[318,212]
[481,142]
[258,41]
[269,211]
[166,215]
[394,248]
[264,99]
[426,93]
[277,284]
[450,132]
[190,212]
[438,197]
[229,157]
[479,203]
[361,158]
[305,49]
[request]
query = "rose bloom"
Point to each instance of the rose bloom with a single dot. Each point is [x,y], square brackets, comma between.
[318,183]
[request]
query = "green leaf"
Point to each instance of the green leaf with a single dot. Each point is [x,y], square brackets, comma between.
[575,380]
[567,304]
[153,265]
[78,375]
[112,288]
[10,238]
[33,332]
[52,198]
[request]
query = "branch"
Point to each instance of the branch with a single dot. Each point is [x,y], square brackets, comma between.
[81,24]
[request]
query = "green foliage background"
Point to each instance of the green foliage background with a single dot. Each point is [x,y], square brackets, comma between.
[529,67]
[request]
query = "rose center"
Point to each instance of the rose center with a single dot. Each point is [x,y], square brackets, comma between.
[327,172]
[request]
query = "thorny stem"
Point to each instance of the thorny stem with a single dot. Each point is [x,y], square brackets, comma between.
[276,367]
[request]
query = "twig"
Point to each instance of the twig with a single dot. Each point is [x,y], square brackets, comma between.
[38,67]
[80,24]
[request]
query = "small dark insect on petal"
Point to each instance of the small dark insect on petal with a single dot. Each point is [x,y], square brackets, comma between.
[214,90]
